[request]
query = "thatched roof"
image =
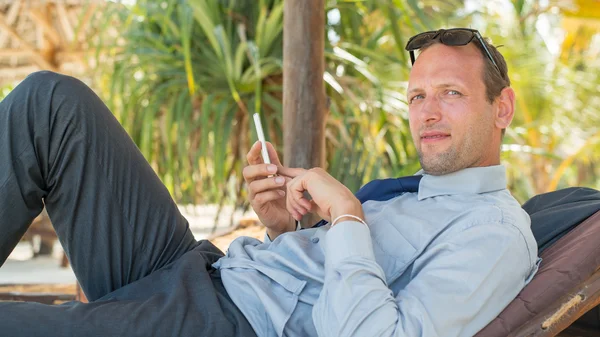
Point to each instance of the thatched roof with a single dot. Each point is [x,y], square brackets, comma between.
[46,34]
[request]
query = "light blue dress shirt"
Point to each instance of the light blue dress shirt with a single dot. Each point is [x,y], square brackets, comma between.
[441,262]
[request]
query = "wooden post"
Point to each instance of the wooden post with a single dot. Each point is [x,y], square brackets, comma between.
[303,86]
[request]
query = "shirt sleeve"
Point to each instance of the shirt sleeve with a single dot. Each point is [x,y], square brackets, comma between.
[456,286]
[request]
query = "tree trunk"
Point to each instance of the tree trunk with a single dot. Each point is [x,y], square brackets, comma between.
[303,85]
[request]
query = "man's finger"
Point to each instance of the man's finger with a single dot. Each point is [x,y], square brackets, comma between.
[294,195]
[262,185]
[258,171]
[288,205]
[254,156]
[291,172]
[267,196]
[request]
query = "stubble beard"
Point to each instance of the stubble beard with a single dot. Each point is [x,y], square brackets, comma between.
[456,157]
[440,163]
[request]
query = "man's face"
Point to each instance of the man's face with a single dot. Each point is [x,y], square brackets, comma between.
[451,122]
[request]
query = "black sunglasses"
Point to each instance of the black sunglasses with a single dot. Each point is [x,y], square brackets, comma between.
[449,37]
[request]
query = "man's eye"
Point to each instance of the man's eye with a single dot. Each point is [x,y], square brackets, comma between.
[412,99]
[454,93]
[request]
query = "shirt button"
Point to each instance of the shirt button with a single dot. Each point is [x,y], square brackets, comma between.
[314,240]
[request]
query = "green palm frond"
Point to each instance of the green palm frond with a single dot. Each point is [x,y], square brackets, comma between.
[190,72]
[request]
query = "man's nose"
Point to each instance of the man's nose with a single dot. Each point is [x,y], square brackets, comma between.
[430,110]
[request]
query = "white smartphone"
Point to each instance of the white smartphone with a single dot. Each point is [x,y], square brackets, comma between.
[261,138]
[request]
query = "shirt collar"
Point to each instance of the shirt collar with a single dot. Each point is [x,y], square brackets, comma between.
[473,180]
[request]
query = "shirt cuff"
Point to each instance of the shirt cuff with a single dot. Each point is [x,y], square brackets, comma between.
[348,239]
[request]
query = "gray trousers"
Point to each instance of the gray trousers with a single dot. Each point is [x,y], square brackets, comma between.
[130,248]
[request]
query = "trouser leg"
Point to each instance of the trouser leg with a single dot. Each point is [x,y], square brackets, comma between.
[184,298]
[113,216]
[129,246]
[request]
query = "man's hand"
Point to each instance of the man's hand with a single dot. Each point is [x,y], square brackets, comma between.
[267,190]
[330,198]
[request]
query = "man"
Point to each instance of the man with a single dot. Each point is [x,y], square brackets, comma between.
[443,261]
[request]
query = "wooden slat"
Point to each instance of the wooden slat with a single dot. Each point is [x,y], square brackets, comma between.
[85,20]
[44,298]
[574,331]
[40,39]
[589,291]
[11,17]
[61,55]
[71,56]
[41,19]
[13,73]
[63,18]
[14,53]
[37,58]
[66,2]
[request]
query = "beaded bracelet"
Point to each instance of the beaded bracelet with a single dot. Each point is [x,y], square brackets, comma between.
[334,222]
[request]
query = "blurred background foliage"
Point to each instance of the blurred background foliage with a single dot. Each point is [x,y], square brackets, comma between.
[185,76]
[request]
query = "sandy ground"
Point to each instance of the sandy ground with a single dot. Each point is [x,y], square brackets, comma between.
[44,274]
[44,269]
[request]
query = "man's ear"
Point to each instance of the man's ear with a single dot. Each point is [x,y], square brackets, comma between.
[505,109]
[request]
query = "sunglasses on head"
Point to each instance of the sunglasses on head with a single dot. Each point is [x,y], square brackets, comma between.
[449,37]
